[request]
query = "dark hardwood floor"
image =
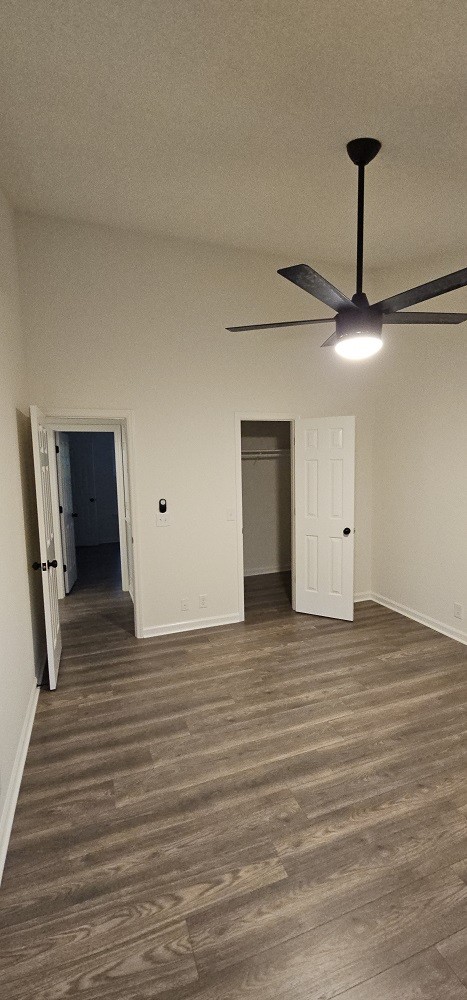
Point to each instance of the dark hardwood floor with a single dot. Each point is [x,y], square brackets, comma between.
[275,810]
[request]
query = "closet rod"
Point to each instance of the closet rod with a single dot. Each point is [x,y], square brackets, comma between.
[269,453]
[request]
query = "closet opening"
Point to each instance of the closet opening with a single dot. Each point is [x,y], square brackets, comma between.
[266,476]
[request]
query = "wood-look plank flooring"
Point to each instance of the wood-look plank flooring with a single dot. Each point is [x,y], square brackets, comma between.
[275,810]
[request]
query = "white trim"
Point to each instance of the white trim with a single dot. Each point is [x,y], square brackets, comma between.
[433,623]
[118,455]
[11,798]
[149,633]
[264,570]
[188,626]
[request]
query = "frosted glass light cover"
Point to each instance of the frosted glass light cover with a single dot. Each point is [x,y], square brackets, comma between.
[359,346]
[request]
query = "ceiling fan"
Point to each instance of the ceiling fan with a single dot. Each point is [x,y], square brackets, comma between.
[359,324]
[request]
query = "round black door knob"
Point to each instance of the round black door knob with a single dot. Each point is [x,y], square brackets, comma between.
[36,565]
[346,531]
[92,499]
[53,563]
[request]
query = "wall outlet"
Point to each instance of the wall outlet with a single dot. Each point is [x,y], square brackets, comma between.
[458,613]
[162,520]
[184,605]
[203,600]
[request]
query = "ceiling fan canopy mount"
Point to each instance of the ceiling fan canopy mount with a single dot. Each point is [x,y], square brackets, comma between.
[363,151]
[356,320]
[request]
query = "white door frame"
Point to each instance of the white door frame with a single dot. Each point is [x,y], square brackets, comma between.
[266,417]
[56,512]
[118,422]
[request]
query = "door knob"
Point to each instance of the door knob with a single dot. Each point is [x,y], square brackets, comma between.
[52,563]
[92,499]
[36,565]
[346,531]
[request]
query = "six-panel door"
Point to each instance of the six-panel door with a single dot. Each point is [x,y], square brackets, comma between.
[324,464]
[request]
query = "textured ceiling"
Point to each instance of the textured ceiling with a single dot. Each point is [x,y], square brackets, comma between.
[226,120]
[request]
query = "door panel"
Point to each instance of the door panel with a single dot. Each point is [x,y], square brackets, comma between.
[84,487]
[47,543]
[92,455]
[105,487]
[324,461]
[67,521]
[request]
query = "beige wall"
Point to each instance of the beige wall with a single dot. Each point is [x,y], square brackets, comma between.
[420,459]
[21,645]
[121,319]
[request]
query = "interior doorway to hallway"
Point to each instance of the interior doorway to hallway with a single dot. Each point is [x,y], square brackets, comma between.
[83,465]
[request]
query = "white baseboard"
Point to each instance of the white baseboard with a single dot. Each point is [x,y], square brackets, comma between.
[264,570]
[11,798]
[401,609]
[433,623]
[197,623]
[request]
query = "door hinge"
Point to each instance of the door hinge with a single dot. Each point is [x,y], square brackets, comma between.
[64,567]
[57,449]
[60,509]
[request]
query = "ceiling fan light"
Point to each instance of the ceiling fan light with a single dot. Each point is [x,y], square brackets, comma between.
[359,346]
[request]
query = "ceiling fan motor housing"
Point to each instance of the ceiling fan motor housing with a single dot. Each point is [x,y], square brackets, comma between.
[350,322]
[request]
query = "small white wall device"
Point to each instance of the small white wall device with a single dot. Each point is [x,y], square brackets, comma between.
[162,518]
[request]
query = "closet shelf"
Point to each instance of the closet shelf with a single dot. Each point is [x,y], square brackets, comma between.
[269,453]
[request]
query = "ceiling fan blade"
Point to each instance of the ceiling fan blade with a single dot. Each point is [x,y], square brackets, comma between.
[423,292]
[312,282]
[275,326]
[331,340]
[423,317]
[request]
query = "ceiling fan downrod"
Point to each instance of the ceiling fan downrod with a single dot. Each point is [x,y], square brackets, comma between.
[361,152]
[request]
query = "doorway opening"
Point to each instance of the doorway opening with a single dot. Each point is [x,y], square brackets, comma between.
[92,522]
[266,482]
[83,465]
[92,556]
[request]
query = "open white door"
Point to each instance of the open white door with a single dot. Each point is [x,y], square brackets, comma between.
[67,514]
[324,477]
[48,562]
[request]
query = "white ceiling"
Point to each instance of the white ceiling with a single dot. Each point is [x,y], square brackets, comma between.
[226,120]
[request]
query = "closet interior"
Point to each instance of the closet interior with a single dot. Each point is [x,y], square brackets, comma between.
[266,499]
